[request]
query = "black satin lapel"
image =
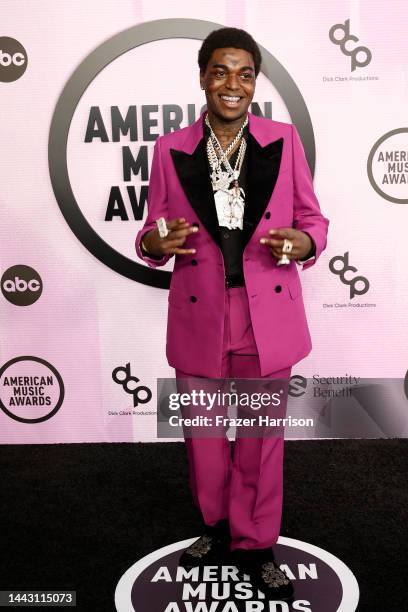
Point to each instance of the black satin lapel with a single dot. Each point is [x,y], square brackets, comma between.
[262,174]
[192,171]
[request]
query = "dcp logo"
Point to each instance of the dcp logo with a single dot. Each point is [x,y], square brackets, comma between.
[122,376]
[13,59]
[345,29]
[345,267]
[21,285]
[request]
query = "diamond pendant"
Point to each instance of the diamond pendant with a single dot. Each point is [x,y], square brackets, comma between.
[220,180]
[223,208]
[237,209]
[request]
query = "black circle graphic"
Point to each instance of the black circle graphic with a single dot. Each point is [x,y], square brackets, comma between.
[57,376]
[13,59]
[21,285]
[89,68]
[322,582]
[370,159]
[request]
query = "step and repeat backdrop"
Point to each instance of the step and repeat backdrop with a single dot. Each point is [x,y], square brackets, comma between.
[86,89]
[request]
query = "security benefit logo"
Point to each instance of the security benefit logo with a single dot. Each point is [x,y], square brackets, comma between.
[387,166]
[21,285]
[297,385]
[31,389]
[13,59]
[322,583]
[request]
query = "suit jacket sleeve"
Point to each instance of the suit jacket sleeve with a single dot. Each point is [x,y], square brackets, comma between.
[307,216]
[157,206]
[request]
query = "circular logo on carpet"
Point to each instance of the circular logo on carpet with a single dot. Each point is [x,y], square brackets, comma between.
[156,582]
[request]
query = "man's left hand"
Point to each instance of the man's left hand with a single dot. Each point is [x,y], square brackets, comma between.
[302,243]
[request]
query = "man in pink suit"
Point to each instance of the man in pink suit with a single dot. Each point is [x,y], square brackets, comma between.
[236,196]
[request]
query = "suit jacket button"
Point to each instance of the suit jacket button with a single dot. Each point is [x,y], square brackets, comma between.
[194,262]
[193,298]
[278,288]
[195,224]
[267,215]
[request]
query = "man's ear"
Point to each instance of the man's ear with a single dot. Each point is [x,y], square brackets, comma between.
[202,80]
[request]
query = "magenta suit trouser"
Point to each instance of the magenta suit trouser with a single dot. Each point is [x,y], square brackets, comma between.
[248,488]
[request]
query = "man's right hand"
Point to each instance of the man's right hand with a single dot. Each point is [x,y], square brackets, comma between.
[170,245]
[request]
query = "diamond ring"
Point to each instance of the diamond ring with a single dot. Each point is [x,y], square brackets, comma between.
[287,246]
[162,227]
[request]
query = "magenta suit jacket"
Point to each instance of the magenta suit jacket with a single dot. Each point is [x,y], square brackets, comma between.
[279,194]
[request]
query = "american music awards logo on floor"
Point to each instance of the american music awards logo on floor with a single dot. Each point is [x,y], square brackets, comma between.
[322,582]
[105,125]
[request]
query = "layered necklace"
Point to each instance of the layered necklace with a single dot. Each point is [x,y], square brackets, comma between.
[229,201]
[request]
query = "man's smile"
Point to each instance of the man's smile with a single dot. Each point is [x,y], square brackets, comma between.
[231,101]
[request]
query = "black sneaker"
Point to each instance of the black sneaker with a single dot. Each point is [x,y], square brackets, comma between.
[213,547]
[264,572]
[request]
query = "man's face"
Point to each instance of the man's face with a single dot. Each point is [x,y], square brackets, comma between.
[229,83]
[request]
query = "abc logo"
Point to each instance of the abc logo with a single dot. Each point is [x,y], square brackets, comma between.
[21,285]
[13,59]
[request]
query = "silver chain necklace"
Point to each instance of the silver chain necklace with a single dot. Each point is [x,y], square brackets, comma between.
[229,202]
